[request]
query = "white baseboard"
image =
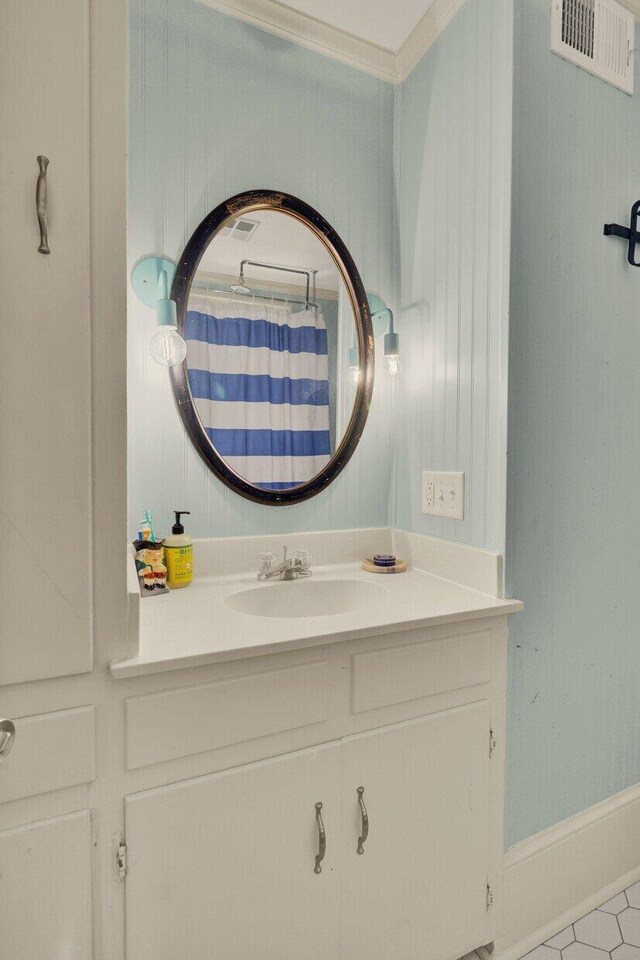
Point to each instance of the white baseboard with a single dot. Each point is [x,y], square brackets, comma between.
[560,874]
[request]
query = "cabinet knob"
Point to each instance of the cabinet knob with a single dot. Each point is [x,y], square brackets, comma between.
[322,839]
[365,821]
[7,735]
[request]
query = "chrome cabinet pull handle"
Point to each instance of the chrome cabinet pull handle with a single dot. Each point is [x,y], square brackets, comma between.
[322,839]
[365,821]
[41,205]
[7,735]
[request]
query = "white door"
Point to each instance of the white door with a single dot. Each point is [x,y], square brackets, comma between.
[223,867]
[418,891]
[45,458]
[45,363]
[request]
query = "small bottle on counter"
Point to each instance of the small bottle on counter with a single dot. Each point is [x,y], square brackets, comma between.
[178,554]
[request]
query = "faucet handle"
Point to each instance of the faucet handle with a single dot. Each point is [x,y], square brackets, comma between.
[265,564]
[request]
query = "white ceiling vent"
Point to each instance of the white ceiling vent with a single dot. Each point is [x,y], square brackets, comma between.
[240,229]
[597,35]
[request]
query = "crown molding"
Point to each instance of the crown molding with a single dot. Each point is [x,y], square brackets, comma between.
[633,6]
[311,33]
[426,32]
[339,45]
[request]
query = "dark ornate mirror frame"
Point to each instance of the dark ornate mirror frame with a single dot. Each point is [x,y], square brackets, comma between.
[245,203]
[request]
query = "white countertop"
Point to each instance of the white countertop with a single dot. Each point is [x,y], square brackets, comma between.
[194,626]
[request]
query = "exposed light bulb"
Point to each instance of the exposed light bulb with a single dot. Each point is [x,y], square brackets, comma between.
[394,365]
[392,351]
[167,347]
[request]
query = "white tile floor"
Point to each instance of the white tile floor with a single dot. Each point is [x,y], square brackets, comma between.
[612,932]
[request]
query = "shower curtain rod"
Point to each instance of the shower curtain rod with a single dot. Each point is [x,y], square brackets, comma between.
[283,269]
[230,294]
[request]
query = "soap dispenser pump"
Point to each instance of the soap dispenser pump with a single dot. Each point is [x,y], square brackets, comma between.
[178,554]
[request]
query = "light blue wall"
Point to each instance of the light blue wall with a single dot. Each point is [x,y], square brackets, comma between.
[453,169]
[215,107]
[573,531]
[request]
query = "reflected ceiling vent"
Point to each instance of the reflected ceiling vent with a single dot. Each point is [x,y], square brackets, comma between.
[597,35]
[240,229]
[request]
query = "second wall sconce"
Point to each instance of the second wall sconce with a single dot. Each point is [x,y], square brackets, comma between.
[380,311]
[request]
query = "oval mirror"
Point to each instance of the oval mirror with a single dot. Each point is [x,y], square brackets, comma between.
[276,385]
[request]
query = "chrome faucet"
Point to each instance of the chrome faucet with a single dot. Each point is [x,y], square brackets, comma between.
[289,568]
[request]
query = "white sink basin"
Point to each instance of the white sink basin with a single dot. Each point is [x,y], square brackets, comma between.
[306,598]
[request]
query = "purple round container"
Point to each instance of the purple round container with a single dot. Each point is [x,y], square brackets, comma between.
[384,560]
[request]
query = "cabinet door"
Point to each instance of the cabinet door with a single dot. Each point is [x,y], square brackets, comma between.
[418,892]
[222,867]
[45,890]
[45,361]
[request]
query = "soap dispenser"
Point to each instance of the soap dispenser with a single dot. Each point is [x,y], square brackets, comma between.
[178,554]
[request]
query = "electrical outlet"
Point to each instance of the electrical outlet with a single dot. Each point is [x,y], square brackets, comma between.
[443,495]
[428,497]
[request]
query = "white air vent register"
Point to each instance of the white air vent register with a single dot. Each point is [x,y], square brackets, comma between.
[597,35]
[241,229]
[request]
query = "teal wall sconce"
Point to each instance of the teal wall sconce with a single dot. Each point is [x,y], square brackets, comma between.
[381,314]
[151,279]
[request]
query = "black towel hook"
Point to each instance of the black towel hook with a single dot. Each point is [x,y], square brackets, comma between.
[629,233]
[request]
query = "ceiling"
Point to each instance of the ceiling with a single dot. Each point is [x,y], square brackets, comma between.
[386,23]
[385,38]
[279,239]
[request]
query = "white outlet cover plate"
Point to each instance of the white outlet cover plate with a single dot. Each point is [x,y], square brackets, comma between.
[443,495]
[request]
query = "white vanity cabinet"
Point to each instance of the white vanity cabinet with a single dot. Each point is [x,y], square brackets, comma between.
[45,889]
[221,866]
[425,858]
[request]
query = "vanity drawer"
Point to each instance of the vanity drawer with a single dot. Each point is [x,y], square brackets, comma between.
[51,751]
[411,671]
[178,723]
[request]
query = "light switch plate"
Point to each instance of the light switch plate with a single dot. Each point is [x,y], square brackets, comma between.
[443,495]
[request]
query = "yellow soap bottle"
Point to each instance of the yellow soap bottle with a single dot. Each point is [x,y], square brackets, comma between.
[178,555]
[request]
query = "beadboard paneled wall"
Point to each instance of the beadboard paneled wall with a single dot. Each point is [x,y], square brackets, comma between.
[453,175]
[573,525]
[217,106]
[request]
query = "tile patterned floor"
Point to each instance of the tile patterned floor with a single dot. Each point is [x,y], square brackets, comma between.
[612,932]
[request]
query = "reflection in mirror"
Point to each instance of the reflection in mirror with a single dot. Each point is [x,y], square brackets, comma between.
[270,332]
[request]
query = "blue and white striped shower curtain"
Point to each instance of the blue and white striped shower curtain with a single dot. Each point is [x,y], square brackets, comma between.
[259,376]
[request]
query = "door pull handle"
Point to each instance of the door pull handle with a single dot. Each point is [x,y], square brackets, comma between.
[322,839]
[41,205]
[7,736]
[365,821]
